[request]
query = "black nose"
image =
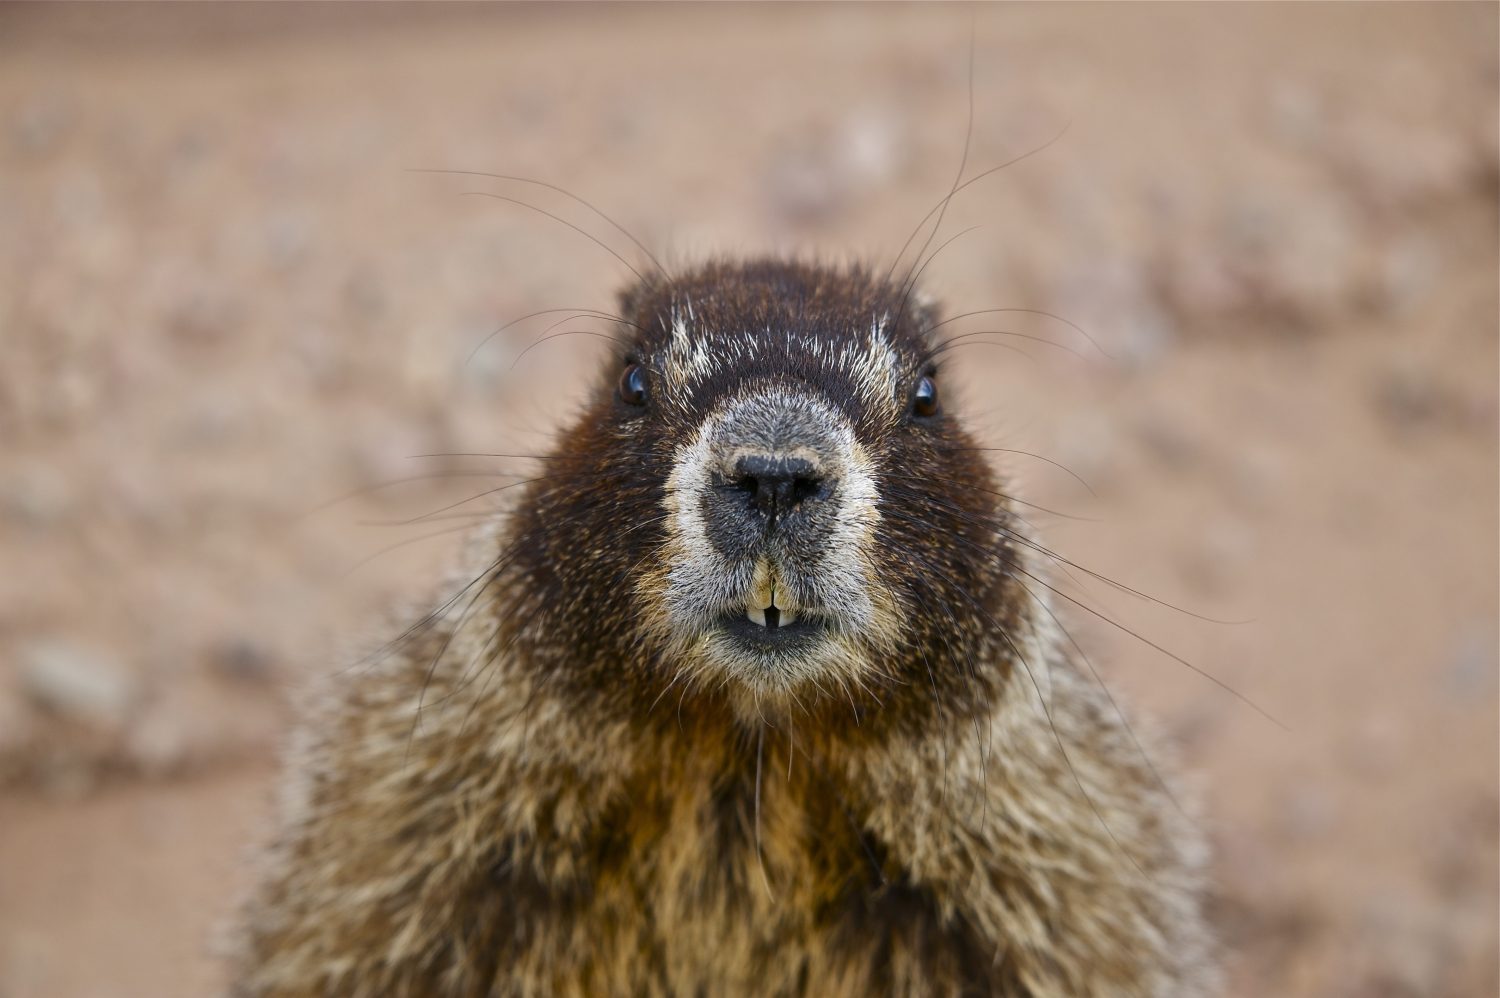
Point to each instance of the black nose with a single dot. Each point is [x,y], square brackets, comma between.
[776,484]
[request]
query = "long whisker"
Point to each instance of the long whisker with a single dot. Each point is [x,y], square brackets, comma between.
[972,339]
[963,163]
[1014,566]
[971,181]
[1027,541]
[405,480]
[979,488]
[563,221]
[565,193]
[1038,457]
[1023,311]
[591,312]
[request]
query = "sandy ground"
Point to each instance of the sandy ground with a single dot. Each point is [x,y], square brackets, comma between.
[225,300]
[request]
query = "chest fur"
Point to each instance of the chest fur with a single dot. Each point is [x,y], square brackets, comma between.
[709,877]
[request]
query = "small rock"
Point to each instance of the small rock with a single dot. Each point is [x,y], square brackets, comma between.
[869,147]
[1307,812]
[288,239]
[1408,397]
[1199,284]
[365,296]
[1258,476]
[203,314]
[817,174]
[1302,260]
[16,730]
[1115,296]
[1405,274]
[1375,748]
[1472,668]
[1088,446]
[802,185]
[1195,724]
[157,745]
[79,200]
[1168,440]
[67,776]
[1297,114]
[214,419]
[36,497]
[1221,556]
[40,125]
[243,660]
[1409,953]
[1392,165]
[78,684]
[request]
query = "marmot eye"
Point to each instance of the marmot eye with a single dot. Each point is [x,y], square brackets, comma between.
[924,401]
[633,385]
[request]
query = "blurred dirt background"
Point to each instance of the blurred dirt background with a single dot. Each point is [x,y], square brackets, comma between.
[225,301]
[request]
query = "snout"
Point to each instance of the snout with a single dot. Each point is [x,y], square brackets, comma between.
[775,469]
[772,509]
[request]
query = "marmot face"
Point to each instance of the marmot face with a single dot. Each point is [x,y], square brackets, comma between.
[789,511]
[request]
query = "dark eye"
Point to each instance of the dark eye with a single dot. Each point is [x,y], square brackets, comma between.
[924,401]
[633,385]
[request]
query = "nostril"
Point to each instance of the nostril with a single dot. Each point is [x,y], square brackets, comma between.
[805,487]
[773,481]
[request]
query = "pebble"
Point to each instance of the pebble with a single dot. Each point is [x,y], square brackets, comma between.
[870,145]
[288,239]
[244,660]
[78,683]
[158,744]
[1472,667]
[802,185]
[1200,284]
[66,775]
[1392,165]
[1087,444]
[1408,397]
[1297,113]
[79,201]
[1374,749]
[1406,271]
[817,175]
[1258,476]
[211,420]
[203,314]
[1166,438]
[1409,948]
[36,497]
[1307,812]
[41,125]
[17,729]
[1221,556]
[1115,297]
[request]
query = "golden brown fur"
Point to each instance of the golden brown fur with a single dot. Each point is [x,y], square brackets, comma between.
[573,817]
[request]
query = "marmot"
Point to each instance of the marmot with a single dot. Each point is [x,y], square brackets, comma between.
[758,693]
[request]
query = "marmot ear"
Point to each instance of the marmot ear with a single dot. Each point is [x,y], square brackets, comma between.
[633,295]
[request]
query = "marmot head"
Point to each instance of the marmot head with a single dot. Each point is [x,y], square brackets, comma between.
[769,497]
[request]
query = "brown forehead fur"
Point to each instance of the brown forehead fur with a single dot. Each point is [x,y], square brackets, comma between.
[565,819]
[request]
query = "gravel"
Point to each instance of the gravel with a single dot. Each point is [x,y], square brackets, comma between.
[78,683]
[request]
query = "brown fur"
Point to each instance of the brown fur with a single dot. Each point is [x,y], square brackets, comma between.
[577,815]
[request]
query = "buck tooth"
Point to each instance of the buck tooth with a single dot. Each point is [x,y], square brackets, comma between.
[756,615]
